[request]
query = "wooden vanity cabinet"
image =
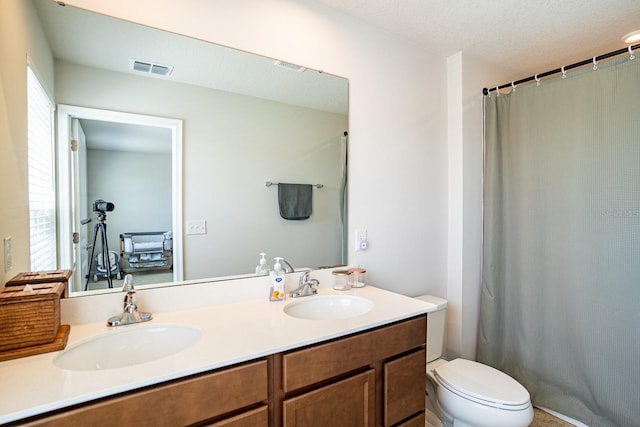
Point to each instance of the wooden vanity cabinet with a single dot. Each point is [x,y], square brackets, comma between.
[373,378]
[231,397]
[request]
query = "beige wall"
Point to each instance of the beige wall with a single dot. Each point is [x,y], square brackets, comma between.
[466,78]
[20,36]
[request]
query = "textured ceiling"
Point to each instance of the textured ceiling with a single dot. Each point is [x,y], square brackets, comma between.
[523,37]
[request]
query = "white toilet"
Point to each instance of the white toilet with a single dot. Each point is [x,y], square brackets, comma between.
[464,393]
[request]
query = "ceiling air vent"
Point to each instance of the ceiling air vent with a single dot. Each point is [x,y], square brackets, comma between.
[150,67]
[289,66]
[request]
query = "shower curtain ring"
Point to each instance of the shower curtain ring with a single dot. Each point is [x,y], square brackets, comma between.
[631,55]
[595,63]
[537,80]
[497,90]
[564,73]
[513,87]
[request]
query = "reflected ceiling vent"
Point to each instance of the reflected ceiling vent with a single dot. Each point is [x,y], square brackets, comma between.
[289,66]
[150,67]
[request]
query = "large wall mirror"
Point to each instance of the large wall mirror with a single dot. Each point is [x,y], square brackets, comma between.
[243,120]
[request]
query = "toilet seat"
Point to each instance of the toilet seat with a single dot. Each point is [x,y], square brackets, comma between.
[482,384]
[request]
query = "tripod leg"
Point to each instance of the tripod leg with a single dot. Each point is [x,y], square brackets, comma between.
[93,249]
[105,252]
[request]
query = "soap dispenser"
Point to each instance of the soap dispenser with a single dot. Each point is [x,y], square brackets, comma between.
[277,267]
[263,268]
[277,291]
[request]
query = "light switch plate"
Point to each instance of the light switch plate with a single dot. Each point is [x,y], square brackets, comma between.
[197,226]
[361,240]
[7,253]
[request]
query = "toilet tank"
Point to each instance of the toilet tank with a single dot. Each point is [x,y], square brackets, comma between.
[436,321]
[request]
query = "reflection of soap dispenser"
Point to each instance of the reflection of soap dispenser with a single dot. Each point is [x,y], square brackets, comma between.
[277,267]
[277,291]
[263,268]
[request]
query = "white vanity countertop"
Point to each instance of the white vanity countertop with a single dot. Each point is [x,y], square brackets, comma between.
[232,332]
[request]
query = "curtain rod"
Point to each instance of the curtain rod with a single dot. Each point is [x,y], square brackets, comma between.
[537,77]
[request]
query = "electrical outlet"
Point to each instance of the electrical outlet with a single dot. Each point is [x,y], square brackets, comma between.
[197,226]
[7,253]
[361,240]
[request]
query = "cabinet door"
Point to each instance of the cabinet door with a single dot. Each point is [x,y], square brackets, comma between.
[404,390]
[346,403]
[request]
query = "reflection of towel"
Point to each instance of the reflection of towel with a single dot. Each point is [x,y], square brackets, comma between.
[294,200]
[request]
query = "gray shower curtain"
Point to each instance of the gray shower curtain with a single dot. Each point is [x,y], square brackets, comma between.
[560,308]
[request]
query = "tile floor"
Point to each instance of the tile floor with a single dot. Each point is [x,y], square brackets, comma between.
[145,278]
[540,419]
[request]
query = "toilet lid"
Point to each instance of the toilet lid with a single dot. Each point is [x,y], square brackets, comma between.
[482,383]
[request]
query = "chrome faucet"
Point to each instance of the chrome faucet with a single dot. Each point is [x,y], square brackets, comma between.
[287,267]
[130,313]
[306,286]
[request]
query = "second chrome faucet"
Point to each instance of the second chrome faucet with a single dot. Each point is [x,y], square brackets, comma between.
[306,286]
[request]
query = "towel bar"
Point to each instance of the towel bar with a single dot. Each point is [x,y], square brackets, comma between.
[269,184]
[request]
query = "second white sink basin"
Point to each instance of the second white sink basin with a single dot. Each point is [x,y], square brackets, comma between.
[126,347]
[329,307]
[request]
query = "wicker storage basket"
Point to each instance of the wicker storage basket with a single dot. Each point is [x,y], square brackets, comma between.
[50,276]
[29,317]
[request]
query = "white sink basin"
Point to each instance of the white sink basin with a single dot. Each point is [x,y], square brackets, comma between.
[329,307]
[126,347]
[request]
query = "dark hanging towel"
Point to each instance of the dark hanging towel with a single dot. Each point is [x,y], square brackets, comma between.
[294,200]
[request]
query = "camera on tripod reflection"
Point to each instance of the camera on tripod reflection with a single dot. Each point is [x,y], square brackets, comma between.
[102,206]
[101,263]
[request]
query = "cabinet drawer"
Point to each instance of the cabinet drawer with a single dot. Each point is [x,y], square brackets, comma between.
[417,421]
[256,418]
[305,367]
[404,387]
[179,403]
[346,403]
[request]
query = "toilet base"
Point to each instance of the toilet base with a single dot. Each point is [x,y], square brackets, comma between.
[456,411]
[433,406]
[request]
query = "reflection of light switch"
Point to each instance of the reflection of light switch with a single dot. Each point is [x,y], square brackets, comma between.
[197,226]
